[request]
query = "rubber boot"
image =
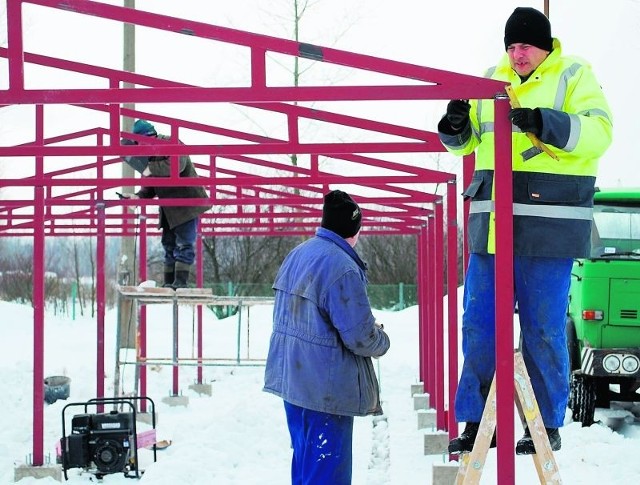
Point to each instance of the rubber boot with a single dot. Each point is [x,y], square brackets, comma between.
[169,276]
[525,445]
[182,275]
[464,443]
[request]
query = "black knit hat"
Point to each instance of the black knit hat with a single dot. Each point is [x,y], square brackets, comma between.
[528,26]
[341,214]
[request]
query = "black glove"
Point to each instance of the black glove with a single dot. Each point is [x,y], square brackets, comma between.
[527,119]
[126,141]
[458,113]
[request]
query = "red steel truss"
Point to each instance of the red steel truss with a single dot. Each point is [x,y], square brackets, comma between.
[254,188]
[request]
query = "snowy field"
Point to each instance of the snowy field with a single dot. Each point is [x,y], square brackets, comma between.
[238,435]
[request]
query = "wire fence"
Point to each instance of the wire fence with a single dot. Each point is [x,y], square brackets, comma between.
[382,297]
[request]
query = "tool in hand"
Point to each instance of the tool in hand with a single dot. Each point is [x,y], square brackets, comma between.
[534,139]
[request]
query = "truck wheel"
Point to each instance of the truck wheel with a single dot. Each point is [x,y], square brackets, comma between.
[572,345]
[583,398]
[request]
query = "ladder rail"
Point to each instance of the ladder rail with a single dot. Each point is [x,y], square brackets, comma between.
[472,464]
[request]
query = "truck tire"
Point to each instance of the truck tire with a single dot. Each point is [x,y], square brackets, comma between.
[572,345]
[583,398]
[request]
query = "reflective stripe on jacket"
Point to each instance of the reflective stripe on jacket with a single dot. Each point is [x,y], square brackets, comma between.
[553,199]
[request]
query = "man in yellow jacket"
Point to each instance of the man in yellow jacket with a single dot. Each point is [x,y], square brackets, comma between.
[564,106]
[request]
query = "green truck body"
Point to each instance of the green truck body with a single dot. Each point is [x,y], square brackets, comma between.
[603,318]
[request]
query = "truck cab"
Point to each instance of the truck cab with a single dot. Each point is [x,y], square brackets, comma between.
[603,317]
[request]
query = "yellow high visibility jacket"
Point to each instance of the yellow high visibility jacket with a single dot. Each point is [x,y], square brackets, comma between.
[553,199]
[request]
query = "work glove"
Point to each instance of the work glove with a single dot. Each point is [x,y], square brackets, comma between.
[527,119]
[126,141]
[458,113]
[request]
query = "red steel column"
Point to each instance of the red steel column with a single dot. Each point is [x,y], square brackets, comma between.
[439,316]
[423,333]
[141,334]
[199,284]
[452,304]
[503,185]
[15,45]
[431,309]
[100,299]
[38,299]
[38,327]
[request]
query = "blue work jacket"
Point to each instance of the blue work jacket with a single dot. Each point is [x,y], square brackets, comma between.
[324,333]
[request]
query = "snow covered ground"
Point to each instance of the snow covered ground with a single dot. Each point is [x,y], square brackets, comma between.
[238,435]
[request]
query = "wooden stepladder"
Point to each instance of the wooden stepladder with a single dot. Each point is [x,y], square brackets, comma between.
[472,464]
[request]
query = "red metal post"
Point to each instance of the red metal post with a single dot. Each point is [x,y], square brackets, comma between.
[38,328]
[15,44]
[439,316]
[452,305]
[423,334]
[431,309]
[200,284]
[504,293]
[176,372]
[141,334]
[100,298]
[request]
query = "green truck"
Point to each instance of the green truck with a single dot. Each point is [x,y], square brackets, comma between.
[603,321]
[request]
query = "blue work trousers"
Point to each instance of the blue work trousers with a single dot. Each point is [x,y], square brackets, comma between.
[179,242]
[541,292]
[321,444]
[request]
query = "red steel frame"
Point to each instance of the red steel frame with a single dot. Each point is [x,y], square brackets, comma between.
[285,201]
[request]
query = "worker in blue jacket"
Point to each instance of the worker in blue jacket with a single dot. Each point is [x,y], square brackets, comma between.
[324,335]
[563,105]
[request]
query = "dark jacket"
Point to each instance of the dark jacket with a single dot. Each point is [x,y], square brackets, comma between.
[324,333]
[173,216]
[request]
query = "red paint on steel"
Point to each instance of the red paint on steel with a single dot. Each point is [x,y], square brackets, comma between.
[75,196]
[504,295]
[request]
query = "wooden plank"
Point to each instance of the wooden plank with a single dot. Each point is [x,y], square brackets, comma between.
[145,291]
[194,292]
[192,296]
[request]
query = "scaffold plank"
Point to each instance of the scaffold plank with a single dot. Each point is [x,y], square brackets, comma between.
[197,296]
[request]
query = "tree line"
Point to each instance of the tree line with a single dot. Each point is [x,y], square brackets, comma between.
[244,262]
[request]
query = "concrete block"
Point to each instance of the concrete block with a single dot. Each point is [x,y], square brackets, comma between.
[420,401]
[417,388]
[426,418]
[444,473]
[436,442]
[176,400]
[201,388]
[44,471]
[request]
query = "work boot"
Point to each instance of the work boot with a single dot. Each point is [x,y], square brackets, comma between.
[464,442]
[525,445]
[169,276]
[182,275]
